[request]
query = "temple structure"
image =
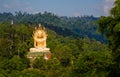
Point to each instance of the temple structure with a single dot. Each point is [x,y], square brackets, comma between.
[39,49]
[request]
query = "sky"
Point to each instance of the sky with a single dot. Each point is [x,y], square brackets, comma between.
[59,7]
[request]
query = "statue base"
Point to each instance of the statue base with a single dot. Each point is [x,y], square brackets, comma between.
[38,52]
[39,49]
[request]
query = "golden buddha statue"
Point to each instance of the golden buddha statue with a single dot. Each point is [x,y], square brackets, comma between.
[40,37]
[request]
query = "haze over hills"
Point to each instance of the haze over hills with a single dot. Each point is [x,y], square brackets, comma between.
[83,26]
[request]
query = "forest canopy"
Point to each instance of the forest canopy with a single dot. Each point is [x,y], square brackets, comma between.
[84,26]
[75,56]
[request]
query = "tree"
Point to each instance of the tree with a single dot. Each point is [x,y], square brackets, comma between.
[92,64]
[39,63]
[64,54]
[32,73]
[3,73]
[5,48]
[110,27]
[16,63]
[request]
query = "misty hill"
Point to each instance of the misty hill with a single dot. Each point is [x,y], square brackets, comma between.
[66,26]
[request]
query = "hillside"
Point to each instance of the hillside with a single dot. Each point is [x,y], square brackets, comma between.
[71,57]
[67,26]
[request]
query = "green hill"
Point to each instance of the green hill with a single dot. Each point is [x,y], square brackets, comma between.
[71,57]
[67,26]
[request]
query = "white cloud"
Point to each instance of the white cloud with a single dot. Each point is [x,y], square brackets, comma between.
[12,4]
[28,9]
[6,6]
[76,14]
[17,5]
[107,6]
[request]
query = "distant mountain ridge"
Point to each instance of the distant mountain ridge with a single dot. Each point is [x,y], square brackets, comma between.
[66,26]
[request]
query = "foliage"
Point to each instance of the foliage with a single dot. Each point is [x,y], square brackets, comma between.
[69,54]
[66,26]
[110,27]
[92,64]
[32,73]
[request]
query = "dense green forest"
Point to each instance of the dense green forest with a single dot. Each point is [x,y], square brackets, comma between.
[77,49]
[70,56]
[84,26]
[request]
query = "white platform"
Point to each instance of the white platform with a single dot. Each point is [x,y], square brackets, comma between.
[39,49]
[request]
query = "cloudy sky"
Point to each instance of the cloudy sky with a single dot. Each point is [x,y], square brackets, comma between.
[59,7]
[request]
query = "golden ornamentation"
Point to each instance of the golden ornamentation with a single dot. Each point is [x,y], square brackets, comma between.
[39,36]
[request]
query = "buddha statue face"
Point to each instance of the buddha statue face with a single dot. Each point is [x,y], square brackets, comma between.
[39,34]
